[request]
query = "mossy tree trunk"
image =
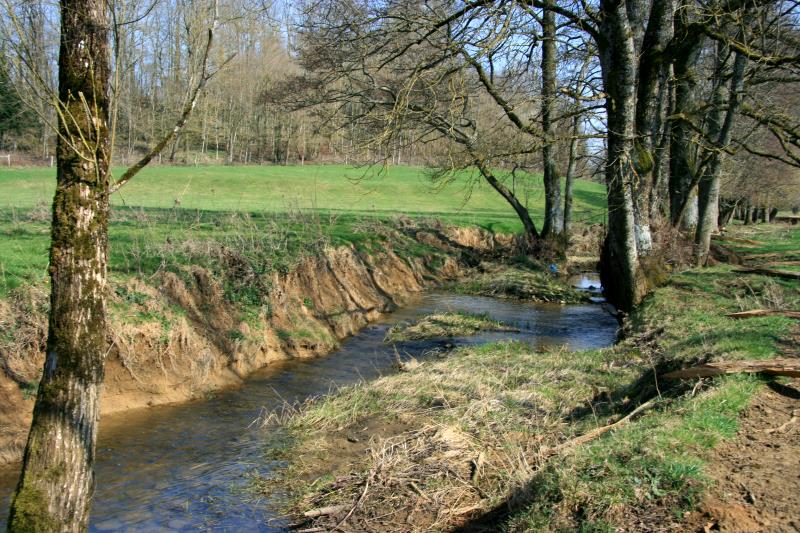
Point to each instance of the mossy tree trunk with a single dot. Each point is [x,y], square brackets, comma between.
[620,269]
[683,149]
[650,92]
[57,481]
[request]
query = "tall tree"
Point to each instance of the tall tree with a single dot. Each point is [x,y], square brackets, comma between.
[57,481]
[14,116]
[553,221]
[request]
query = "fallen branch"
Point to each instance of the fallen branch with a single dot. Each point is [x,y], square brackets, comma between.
[591,435]
[752,257]
[325,511]
[781,264]
[764,312]
[773,367]
[740,241]
[784,274]
[782,427]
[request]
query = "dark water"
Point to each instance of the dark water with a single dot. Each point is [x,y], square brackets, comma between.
[189,466]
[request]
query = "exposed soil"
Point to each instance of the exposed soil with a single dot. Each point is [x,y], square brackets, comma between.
[208,345]
[757,474]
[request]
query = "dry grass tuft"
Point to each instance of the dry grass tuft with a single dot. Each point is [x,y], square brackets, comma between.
[451,324]
[482,419]
[522,284]
[23,331]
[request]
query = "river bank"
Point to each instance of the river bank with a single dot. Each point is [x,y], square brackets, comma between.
[207,322]
[201,314]
[190,466]
[511,437]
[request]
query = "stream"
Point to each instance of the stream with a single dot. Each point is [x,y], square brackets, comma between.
[190,466]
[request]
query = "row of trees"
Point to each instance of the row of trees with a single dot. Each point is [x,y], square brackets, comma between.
[664,97]
[669,93]
[153,43]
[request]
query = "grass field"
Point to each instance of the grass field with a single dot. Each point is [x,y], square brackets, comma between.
[272,211]
[337,188]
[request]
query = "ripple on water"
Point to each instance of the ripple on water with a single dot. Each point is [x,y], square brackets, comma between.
[187,467]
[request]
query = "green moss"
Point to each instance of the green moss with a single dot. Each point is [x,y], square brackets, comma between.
[29,513]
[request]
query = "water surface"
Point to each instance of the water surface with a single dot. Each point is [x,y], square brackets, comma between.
[189,466]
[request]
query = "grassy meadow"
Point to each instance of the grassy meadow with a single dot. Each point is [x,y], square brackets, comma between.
[274,212]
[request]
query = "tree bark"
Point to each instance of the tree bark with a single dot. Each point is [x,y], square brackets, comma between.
[648,108]
[57,480]
[720,131]
[619,265]
[570,177]
[682,171]
[552,182]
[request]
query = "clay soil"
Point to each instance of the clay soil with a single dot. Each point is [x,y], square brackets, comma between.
[757,475]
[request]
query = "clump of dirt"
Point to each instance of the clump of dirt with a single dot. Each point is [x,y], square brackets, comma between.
[441,325]
[756,476]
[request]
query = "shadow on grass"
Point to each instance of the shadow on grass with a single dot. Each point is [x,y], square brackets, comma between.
[606,405]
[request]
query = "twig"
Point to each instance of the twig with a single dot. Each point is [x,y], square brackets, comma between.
[358,502]
[325,511]
[418,490]
[785,274]
[591,435]
[764,312]
[782,427]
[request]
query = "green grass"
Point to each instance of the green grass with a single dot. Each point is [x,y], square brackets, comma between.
[516,404]
[780,239]
[449,324]
[274,213]
[334,188]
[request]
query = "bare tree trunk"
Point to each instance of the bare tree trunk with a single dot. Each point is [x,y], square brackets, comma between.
[720,131]
[619,266]
[570,177]
[532,235]
[57,481]
[552,182]
[648,109]
[681,175]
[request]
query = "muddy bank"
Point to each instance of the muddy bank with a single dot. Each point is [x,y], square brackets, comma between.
[178,335]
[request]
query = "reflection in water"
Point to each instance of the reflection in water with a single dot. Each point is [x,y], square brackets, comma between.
[189,466]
